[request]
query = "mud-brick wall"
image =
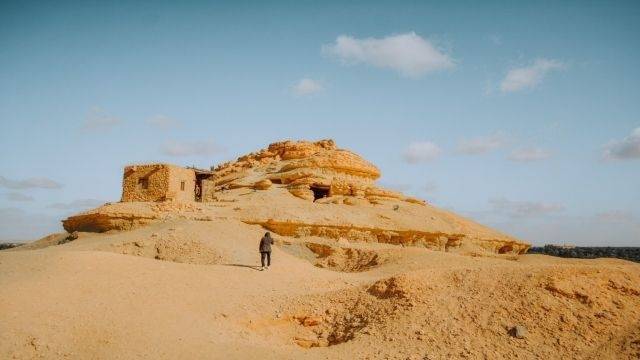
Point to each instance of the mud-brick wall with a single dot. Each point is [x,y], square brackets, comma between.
[208,190]
[176,190]
[157,180]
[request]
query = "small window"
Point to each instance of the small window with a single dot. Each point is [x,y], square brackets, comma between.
[143,183]
[182,186]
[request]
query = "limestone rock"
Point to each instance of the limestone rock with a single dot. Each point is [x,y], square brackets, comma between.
[306,342]
[312,321]
[518,332]
[119,216]
[263,184]
[311,171]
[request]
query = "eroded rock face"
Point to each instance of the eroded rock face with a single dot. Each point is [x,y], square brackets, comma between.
[433,240]
[102,221]
[310,170]
[130,215]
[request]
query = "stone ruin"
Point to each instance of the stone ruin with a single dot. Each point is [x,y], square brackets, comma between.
[294,189]
[165,182]
[309,170]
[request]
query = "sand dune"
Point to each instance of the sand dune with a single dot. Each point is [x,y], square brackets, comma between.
[190,289]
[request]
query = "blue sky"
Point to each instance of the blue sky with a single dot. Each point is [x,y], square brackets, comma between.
[521,116]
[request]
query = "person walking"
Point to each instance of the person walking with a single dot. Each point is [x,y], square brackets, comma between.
[265,250]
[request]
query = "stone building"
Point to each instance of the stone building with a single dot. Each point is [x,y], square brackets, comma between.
[165,182]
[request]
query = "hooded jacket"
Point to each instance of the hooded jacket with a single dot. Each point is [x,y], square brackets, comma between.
[265,243]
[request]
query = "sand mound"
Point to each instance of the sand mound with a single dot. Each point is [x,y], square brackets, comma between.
[346,259]
[469,313]
[90,298]
[171,248]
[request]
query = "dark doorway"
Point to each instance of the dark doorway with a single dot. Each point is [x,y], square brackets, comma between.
[319,191]
[198,187]
[200,176]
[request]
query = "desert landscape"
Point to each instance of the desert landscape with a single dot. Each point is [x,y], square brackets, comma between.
[359,272]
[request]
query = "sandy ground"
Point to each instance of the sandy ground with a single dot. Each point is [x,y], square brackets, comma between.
[192,289]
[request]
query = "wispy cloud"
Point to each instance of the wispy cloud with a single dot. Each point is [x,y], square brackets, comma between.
[529,154]
[481,144]
[191,148]
[16,196]
[528,77]
[408,54]
[524,208]
[30,183]
[421,151]
[495,39]
[306,87]
[80,204]
[616,216]
[625,149]
[97,120]
[430,187]
[162,122]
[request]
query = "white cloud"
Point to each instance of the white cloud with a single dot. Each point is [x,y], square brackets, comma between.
[16,196]
[162,122]
[306,86]
[529,155]
[409,54]
[524,208]
[421,151]
[194,148]
[529,76]
[481,144]
[625,149]
[98,120]
[31,183]
[81,204]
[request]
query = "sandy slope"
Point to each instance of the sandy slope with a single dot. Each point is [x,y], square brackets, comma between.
[422,225]
[191,289]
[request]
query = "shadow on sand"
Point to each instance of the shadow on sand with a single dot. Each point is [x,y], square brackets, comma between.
[257,268]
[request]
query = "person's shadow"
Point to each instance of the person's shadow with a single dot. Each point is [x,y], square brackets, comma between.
[257,268]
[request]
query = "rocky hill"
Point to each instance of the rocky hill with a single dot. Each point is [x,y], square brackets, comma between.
[311,189]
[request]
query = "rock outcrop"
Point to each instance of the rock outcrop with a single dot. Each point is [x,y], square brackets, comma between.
[433,240]
[310,170]
[310,189]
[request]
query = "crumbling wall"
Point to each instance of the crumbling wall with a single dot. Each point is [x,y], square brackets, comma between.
[208,190]
[182,183]
[145,182]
